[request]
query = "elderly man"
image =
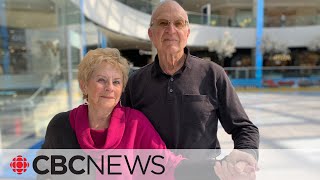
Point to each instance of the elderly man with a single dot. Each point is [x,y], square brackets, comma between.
[184,96]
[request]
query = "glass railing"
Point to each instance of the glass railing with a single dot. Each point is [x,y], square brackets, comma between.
[289,21]
[281,72]
[219,20]
[142,5]
[288,76]
[274,72]
[231,21]
[272,77]
[224,21]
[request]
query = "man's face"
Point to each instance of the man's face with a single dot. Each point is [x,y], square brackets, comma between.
[169,29]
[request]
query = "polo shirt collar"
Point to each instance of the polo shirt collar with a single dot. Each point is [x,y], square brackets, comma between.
[157,71]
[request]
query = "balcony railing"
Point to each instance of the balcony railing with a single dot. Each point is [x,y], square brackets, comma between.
[292,76]
[289,76]
[274,72]
[231,21]
[249,21]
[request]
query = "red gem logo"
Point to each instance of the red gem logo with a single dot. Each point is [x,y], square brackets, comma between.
[19,164]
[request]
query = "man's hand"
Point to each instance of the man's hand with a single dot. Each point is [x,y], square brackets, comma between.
[237,166]
[237,156]
[226,171]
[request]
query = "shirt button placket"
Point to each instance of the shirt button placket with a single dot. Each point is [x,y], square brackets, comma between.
[170,90]
[170,85]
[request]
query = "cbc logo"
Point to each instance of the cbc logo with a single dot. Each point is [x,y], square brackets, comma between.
[19,164]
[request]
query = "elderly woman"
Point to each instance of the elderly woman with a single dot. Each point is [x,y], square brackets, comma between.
[102,122]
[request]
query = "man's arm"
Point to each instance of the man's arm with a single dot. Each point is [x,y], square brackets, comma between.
[244,133]
[234,119]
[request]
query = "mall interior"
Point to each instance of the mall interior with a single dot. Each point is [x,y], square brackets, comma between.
[270,50]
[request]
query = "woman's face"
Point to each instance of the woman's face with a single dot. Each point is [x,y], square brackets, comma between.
[104,87]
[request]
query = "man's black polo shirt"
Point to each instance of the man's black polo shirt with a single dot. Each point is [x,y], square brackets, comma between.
[185,108]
